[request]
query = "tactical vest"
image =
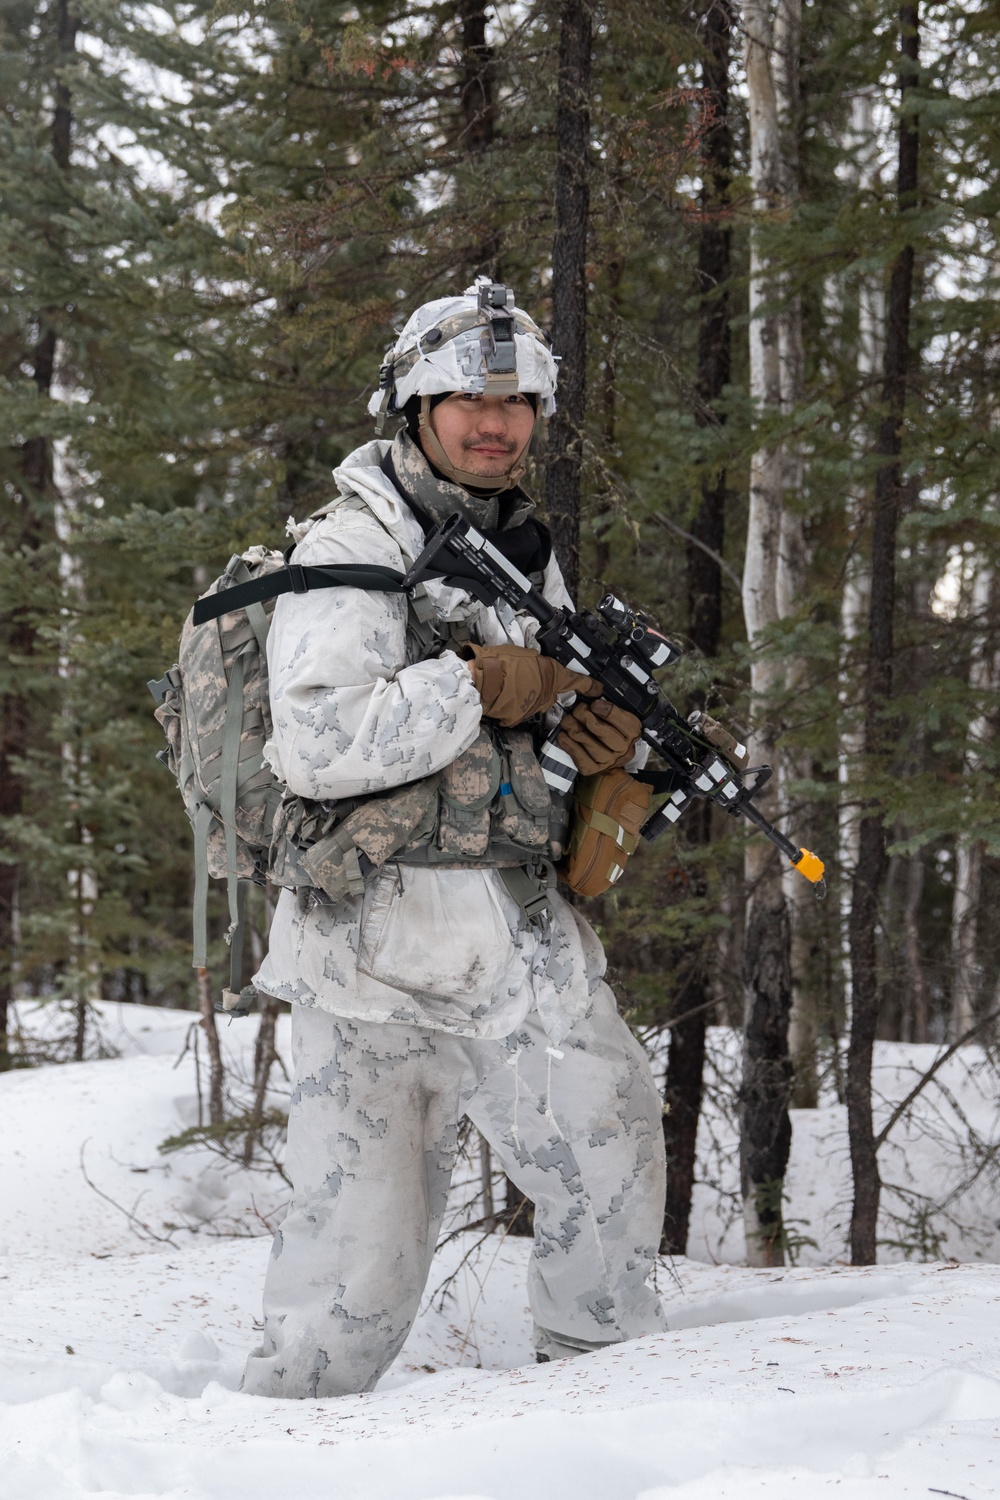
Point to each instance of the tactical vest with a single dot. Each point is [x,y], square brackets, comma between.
[489,808]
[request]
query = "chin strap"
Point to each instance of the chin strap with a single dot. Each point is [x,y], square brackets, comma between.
[485,484]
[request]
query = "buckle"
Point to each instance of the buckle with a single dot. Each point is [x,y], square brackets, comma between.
[538,909]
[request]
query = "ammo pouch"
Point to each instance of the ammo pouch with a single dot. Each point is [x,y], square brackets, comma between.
[334,846]
[490,807]
[493,805]
[608,813]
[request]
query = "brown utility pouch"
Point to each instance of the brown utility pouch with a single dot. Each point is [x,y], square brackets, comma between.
[608,812]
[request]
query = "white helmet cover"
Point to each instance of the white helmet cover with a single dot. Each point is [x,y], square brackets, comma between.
[479,342]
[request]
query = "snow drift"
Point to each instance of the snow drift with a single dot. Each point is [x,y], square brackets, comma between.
[129,1315]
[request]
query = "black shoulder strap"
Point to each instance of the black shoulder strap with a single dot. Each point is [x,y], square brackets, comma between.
[293,578]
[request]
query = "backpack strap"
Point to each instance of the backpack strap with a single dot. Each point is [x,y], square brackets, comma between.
[249,595]
[229,772]
[295,578]
[202,823]
[229,786]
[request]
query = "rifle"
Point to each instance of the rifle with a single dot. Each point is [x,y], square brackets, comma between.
[619,648]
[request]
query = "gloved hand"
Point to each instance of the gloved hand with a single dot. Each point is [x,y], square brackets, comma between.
[515,682]
[598,736]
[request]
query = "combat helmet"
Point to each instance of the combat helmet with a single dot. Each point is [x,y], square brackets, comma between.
[479,342]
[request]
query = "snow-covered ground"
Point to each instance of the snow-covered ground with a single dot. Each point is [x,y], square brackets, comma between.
[127,1318]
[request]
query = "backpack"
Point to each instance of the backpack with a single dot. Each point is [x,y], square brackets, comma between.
[214,710]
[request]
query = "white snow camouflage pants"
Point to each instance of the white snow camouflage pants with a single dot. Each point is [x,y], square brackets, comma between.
[372,1140]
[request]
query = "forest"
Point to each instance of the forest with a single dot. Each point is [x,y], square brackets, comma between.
[762,237]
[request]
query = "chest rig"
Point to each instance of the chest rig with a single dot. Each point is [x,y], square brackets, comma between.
[490,808]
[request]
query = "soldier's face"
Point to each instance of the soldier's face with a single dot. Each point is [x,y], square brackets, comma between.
[483,434]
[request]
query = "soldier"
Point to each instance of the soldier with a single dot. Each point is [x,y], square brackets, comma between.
[449,979]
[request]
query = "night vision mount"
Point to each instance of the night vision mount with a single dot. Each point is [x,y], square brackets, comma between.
[496,305]
[492,323]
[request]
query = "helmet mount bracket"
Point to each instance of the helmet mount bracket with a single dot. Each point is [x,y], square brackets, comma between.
[479,342]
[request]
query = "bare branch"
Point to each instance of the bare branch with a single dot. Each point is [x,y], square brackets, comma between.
[919,1087]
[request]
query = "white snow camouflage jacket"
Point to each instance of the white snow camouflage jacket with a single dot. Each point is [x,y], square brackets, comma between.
[444,948]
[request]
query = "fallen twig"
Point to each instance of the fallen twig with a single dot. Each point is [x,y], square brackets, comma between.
[138,1226]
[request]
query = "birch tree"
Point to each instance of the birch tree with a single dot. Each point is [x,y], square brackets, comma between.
[855,594]
[984,675]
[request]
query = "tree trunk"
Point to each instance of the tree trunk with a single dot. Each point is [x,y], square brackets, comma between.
[983,678]
[878,683]
[964,913]
[216,1071]
[604,516]
[36,507]
[685,1064]
[265,1054]
[771,578]
[569,284]
[855,600]
[682,1095]
[486,1185]
[80,1009]
[790,579]
[477,107]
[517,1216]
[478,86]
[915,980]
[766,1132]
[704,576]
[14,731]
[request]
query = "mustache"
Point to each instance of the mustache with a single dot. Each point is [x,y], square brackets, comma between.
[472,445]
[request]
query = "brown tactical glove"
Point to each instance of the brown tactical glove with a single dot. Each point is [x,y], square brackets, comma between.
[515,682]
[598,736]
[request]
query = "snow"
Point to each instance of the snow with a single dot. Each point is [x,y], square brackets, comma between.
[123,1339]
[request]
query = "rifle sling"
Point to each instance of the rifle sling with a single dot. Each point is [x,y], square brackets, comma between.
[294,578]
[661,781]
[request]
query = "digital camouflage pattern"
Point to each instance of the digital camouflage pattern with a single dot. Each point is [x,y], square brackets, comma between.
[468,786]
[378,828]
[429,996]
[197,703]
[440,349]
[441,499]
[352,716]
[490,806]
[523,815]
[193,716]
[373,1135]
[355,718]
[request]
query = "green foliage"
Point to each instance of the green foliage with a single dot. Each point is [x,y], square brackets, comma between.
[227,1135]
[256,195]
